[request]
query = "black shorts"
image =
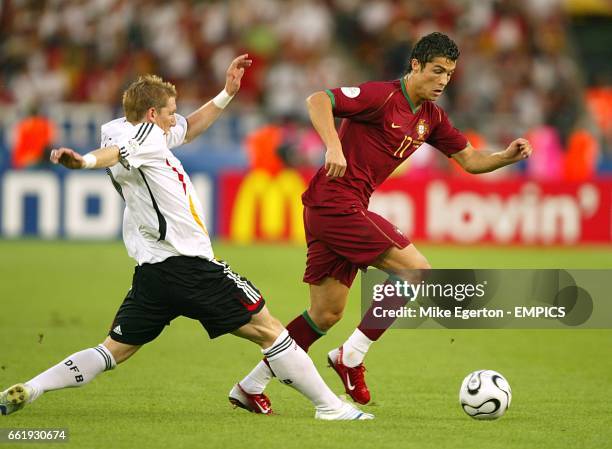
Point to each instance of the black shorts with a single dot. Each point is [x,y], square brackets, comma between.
[204,290]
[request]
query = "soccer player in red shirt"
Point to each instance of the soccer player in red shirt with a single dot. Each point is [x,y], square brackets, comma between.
[384,122]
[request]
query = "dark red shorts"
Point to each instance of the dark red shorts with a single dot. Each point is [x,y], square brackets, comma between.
[342,241]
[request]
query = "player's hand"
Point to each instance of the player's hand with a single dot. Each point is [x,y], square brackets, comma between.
[335,163]
[518,150]
[235,72]
[67,157]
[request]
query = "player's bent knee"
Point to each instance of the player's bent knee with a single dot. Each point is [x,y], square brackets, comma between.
[415,263]
[415,273]
[423,265]
[325,320]
[400,262]
[406,269]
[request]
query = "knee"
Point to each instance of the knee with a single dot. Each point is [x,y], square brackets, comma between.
[416,262]
[415,271]
[423,264]
[325,319]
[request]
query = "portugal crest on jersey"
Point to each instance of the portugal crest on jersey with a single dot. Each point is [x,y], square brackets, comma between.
[422,129]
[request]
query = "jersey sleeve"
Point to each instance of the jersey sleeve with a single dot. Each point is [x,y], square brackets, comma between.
[360,102]
[108,134]
[145,147]
[177,133]
[445,137]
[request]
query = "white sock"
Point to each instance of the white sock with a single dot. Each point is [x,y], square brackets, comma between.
[74,371]
[293,367]
[257,380]
[355,348]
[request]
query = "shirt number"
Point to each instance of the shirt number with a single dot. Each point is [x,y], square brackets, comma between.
[399,152]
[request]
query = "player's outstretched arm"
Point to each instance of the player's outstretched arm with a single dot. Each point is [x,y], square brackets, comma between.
[100,158]
[200,120]
[476,162]
[322,118]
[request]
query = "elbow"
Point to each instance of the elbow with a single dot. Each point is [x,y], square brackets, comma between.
[476,170]
[471,170]
[469,165]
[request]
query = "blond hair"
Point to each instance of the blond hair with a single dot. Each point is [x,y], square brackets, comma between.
[148,91]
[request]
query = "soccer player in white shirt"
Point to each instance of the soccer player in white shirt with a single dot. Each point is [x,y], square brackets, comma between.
[177,274]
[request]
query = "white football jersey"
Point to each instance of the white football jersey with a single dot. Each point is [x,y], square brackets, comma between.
[163,216]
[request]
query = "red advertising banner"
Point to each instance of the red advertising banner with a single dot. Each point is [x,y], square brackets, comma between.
[257,206]
[512,211]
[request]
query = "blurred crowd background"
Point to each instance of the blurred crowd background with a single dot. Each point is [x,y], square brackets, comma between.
[535,68]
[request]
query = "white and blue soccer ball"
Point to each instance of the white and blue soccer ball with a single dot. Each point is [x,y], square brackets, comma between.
[485,394]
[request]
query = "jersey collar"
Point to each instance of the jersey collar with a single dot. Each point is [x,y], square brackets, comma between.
[405,92]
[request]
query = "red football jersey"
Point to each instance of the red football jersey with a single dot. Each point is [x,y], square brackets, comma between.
[379,131]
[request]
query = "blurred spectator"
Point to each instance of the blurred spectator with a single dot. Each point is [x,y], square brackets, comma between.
[547,162]
[581,157]
[301,146]
[599,101]
[516,71]
[34,137]
[262,148]
[289,143]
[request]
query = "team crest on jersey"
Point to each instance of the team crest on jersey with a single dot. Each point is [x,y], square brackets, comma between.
[422,129]
[350,92]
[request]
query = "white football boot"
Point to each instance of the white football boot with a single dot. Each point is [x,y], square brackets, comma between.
[346,412]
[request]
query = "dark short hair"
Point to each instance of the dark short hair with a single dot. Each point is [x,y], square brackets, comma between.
[432,46]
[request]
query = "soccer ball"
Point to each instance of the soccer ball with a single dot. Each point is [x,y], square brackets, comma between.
[485,394]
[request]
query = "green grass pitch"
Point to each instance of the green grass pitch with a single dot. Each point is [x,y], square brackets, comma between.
[57,298]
